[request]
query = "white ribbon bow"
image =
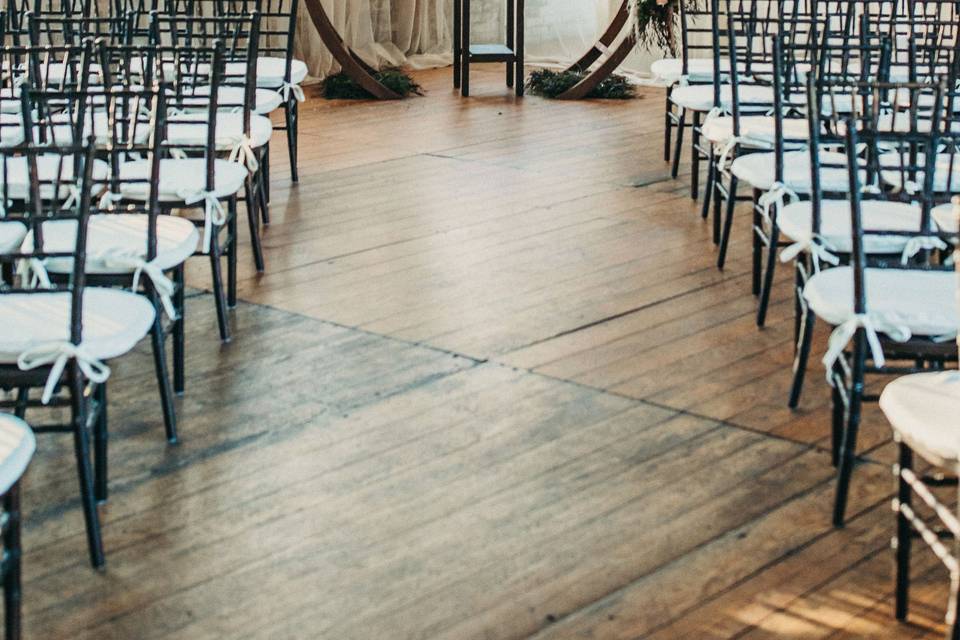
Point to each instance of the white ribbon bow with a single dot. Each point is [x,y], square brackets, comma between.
[816,246]
[286,88]
[844,333]
[73,199]
[57,354]
[243,153]
[917,244]
[163,285]
[727,149]
[775,196]
[213,212]
[33,274]
[108,199]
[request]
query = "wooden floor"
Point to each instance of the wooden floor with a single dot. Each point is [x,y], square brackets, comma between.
[491,386]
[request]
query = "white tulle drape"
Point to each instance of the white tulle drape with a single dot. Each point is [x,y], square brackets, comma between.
[418,33]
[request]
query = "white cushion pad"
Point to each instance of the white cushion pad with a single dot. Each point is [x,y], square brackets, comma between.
[947,217]
[14,171]
[266,99]
[759,169]
[17,444]
[11,236]
[796,219]
[699,97]
[190,129]
[671,69]
[947,171]
[113,321]
[760,130]
[270,71]
[923,409]
[120,233]
[924,302]
[180,177]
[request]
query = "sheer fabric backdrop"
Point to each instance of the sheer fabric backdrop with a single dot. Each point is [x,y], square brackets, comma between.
[419,33]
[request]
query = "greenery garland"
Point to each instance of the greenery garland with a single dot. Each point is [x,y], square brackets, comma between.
[657,22]
[340,86]
[550,84]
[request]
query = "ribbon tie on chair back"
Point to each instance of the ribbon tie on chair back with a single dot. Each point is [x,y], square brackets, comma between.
[58,354]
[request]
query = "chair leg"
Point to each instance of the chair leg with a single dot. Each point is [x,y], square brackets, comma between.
[801,358]
[81,448]
[848,453]
[158,341]
[717,205]
[265,172]
[837,414]
[708,188]
[291,115]
[216,272]
[677,150]
[727,223]
[757,247]
[667,126]
[904,536]
[232,253]
[768,274]
[179,333]
[11,580]
[252,195]
[100,441]
[695,157]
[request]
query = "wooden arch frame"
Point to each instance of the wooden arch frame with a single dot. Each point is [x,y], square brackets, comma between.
[615,58]
[355,68]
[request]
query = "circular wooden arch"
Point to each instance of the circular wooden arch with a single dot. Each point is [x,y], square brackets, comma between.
[361,73]
[352,65]
[613,60]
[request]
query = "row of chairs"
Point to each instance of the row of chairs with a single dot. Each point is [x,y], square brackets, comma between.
[128,144]
[842,120]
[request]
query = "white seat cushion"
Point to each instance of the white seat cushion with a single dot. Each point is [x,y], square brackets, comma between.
[946,173]
[947,217]
[113,321]
[61,131]
[181,178]
[923,409]
[11,236]
[120,233]
[270,71]
[924,303]
[699,97]
[266,99]
[17,444]
[795,221]
[229,130]
[760,130]
[759,169]
[14,171]
[11,129]
[671,69]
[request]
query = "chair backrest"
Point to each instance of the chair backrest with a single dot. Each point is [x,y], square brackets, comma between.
[44,28]
[43,183]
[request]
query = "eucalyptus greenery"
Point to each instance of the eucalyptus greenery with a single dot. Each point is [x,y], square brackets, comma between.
[550,84]
[658,22]
[340,86]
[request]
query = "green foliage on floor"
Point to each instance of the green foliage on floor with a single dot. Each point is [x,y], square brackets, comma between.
[342,87]
[550,84]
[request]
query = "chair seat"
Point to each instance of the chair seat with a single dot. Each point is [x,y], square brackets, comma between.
[758,129]
[120,234]
[923,408]
[11,236]
[921,303]
[190,129]
[947,217]
[698,69]
[759,171]
[946,175]
[270,71]
[699,97]
[182,178]
[96,124]
[17,444]
[266,99]
[796,220]
[16,174]
[113,321]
